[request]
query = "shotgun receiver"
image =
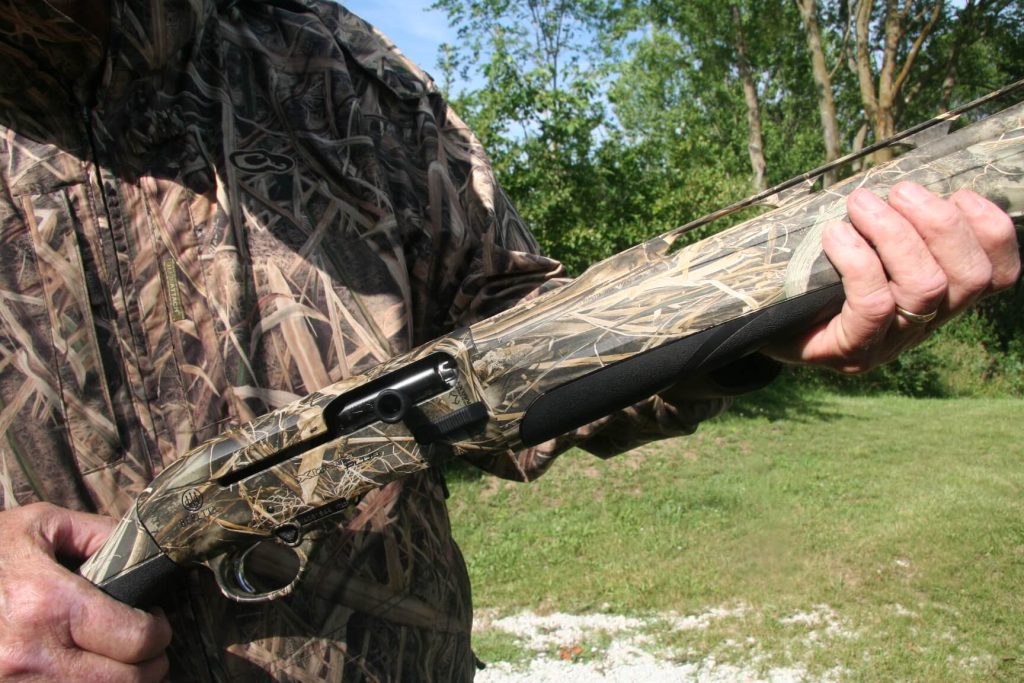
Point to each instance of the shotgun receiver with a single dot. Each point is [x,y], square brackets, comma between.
[630,326]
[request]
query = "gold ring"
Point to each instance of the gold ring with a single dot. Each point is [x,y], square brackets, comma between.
[916,318]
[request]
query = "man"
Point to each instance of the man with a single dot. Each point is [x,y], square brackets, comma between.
[213,208]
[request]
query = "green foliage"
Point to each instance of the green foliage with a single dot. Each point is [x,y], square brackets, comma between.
[611,121]
[539,112]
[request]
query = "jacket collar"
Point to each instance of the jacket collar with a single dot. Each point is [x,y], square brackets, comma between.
[54,58]
[48,51]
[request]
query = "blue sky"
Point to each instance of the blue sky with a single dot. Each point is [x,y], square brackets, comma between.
[417,30]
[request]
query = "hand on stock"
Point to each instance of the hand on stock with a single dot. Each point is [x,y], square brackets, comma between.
[908,266]
[55,625]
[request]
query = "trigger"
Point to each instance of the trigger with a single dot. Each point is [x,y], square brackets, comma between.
[239,567]
[263,571]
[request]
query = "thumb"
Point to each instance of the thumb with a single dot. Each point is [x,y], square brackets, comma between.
[75,535]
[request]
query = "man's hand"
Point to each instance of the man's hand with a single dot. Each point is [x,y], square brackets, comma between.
[900,263]
[55,625]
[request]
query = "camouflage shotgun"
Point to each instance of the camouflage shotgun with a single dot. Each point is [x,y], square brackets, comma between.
[629,327]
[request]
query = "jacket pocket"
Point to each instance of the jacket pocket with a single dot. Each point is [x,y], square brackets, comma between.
[82,375]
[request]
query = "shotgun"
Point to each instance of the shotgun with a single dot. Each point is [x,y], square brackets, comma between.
[630,326]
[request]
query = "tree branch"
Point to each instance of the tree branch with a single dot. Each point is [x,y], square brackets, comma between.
[865,77]
[916,48]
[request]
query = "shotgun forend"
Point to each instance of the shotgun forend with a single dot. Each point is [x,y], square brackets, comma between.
[630,326]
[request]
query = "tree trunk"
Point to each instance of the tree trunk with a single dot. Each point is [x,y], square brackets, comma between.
[884,123]
[880,104]
[823,81]
[755,142]
[865,74]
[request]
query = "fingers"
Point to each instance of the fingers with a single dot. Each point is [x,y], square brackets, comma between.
[940,254]
[953,244]
[918,282]
[72,534]
[155,669]
[86,667]
[98,623]
[849,342]
[90,667]
[919,253]
[45,604]
[996,236]
[55,625]
[867,311]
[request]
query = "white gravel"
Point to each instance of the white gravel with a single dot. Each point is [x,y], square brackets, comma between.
[631,656]
[628,666]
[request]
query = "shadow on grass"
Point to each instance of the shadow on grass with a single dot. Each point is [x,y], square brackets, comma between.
[462,471]
[790,397]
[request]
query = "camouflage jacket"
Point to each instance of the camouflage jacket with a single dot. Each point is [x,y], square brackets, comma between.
[229,205]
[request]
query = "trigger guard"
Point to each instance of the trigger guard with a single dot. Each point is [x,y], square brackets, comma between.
[228,569]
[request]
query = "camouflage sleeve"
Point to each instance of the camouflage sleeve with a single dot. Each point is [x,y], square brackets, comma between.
[508,267]
[490,261]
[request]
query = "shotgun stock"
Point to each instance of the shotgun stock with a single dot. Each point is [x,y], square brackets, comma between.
[630,326]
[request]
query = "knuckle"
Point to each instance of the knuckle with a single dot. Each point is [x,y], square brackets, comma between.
[149,636]
[978,278]
[29,521]
[999,228]
[1007,277]
[29,606]
[154,670]
[37,511]
[877,306]
[984,215]
[1007,269]
[903,241]
[933,287]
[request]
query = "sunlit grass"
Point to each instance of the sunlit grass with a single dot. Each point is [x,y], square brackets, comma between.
[901,521]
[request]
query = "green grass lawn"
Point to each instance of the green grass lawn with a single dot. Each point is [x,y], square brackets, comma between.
[899,522]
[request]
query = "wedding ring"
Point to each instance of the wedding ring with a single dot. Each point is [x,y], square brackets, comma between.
[916,318]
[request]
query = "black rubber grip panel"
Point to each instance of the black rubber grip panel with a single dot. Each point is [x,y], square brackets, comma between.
[622,384]
[138,585]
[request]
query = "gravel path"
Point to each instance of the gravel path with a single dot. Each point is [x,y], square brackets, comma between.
[559,641]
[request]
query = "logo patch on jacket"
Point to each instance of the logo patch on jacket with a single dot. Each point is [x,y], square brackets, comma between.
[173,289]
[258,161]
